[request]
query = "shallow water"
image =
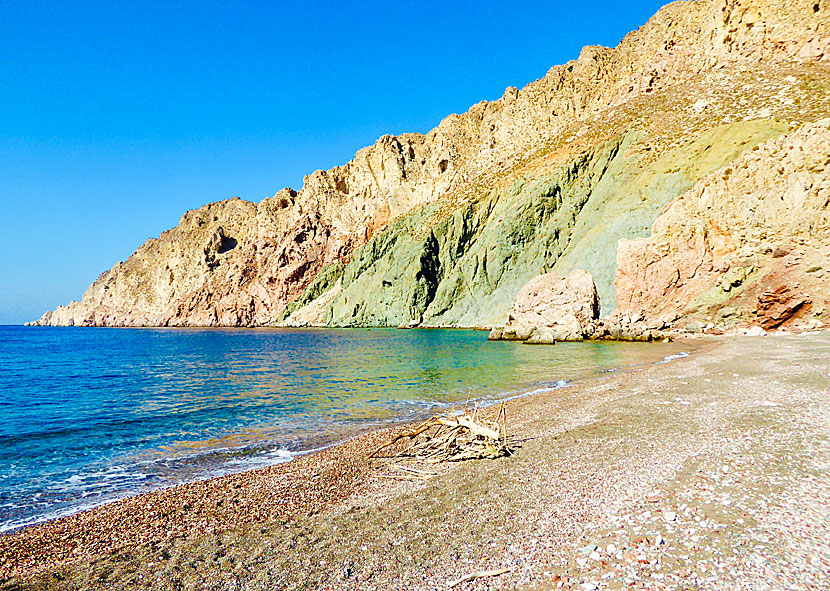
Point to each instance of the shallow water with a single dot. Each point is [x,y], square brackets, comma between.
[89,415]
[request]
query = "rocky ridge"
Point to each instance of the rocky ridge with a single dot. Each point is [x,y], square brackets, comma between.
[445,228]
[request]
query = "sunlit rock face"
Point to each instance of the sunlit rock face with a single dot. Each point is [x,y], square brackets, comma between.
[553,308]
[445,228]
[749,243]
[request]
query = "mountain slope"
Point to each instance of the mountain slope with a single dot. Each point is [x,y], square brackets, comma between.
[444,228]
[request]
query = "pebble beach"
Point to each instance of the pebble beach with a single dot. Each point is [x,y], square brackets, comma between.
[708,472]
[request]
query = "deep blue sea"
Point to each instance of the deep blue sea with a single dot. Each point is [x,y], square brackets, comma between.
[88,415]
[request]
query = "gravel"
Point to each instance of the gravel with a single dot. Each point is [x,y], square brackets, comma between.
[709,472]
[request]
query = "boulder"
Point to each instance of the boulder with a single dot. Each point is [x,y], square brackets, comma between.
[542,335]
[779,304]
[552,308]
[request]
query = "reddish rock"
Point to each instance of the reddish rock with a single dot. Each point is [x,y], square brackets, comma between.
[777,306]
[709,257]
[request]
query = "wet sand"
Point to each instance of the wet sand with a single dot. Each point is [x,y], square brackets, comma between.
[710,472]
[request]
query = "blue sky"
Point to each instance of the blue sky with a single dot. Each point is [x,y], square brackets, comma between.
[116,117]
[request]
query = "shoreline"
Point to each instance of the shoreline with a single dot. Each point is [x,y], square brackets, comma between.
[85,515]
[315,469]
[315,490]
[313,444]
[293,456]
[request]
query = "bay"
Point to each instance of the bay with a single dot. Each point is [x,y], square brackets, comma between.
[88,415]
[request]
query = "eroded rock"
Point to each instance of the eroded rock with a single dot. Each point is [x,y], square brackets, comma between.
[709,256]
[553,308]
[443,228]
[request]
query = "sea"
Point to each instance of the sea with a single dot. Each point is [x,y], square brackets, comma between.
[90,415]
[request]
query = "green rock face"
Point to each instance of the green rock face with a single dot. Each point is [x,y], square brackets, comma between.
[630,196]
[467,268]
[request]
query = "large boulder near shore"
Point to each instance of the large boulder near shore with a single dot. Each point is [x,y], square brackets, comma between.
[552,308]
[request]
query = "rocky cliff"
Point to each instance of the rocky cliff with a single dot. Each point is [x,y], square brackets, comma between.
[747,244]
[693,125]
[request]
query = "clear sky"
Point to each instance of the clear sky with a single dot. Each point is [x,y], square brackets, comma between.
[117,117]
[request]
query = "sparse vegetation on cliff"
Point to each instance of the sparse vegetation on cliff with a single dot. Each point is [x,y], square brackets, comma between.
[445,228]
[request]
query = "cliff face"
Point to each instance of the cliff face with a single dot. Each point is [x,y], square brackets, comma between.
[749,243]
[445,228]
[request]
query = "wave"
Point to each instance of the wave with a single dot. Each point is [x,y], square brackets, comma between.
[112,486]
[679,355]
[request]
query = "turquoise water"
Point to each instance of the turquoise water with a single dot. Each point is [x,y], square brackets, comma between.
[93,414]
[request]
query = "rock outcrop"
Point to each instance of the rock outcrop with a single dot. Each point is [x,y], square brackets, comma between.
[748,244]
[552,308]
[445,228]
[314,312]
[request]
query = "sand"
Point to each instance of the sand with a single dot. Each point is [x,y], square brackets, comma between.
[709,472]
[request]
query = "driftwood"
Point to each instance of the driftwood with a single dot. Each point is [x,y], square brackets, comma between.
[408,473]
[479,574]
[449,437]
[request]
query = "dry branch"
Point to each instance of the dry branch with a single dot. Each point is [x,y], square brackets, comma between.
[479,574]
[407,469]
[450,437]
